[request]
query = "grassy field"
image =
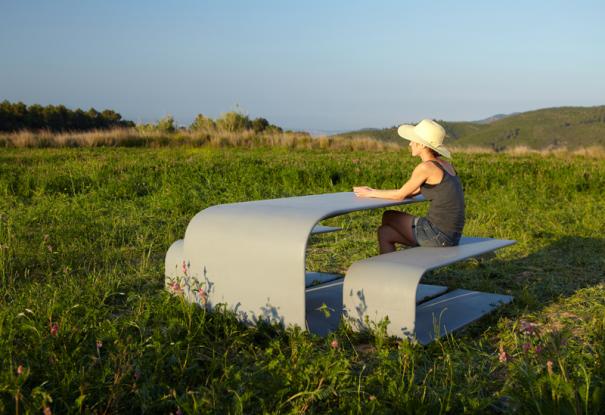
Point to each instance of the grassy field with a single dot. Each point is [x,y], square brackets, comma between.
[86,325]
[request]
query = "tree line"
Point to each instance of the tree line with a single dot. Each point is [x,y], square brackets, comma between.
[58,118]
[18,116]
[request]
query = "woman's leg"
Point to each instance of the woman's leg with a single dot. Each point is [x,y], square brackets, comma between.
[396,228]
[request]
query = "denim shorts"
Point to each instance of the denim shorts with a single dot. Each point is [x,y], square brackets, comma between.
[428,235]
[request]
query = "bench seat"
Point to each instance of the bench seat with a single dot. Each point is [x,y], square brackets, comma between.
[317,229]
[386,286]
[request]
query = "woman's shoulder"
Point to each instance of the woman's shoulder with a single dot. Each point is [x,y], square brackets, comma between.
[447,166]
[430,165]
[434,166]
[425,166]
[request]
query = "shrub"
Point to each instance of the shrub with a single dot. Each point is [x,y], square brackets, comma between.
[202,123]
[233,122]
[166,124]
[259,125]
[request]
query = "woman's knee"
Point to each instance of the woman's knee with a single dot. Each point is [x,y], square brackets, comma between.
[387,233]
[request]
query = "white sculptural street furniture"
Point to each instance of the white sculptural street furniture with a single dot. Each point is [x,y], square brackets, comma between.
[250,256]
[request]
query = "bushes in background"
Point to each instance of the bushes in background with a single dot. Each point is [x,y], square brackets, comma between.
[233,122]
[16,117]
[57,118]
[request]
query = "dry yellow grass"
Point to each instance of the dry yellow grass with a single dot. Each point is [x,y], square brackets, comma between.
[131,137]
[596,152]
[135,138]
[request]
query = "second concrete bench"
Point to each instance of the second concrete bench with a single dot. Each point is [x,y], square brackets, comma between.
[387,286]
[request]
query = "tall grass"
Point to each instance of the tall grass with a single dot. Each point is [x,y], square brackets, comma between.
[130,137]
[596,152]
[215,138]
[86,325]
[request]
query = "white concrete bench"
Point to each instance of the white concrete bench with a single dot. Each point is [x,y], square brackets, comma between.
[388,286]
[251,256]
[317,229]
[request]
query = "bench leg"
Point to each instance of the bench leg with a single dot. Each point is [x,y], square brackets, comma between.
[375,291]
[173,265]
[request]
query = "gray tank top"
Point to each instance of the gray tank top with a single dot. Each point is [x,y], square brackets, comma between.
[446,211]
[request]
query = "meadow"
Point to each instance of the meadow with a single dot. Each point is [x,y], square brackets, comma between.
[86,325]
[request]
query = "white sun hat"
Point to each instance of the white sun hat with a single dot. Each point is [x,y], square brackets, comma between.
[426,132]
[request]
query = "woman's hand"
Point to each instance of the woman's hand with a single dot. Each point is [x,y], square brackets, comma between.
[363,191]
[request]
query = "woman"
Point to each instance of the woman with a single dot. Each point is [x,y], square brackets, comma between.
[438,182]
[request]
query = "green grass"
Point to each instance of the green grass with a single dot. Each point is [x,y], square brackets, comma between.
[86,325]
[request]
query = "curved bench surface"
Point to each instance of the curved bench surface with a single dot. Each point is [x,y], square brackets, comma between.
[386,286]
[251,255]
[428,258]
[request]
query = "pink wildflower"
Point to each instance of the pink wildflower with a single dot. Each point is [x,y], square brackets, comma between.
[54,329]
[526,347]
[334,344]
[20,370]
[202,294]
[176,288]
[99,344]
[502,355]
[527,327]
[549,367]
[184,267]
[538,349]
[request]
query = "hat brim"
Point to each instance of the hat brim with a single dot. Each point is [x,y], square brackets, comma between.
[407,131]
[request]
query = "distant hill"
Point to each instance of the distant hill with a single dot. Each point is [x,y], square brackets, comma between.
[571,127]
[494,118]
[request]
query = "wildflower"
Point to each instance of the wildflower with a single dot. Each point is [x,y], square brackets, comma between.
[202,294]
[47,410]
[178,411]
[334,344]
[20,370]
[50,248]
[528,328]
[54,329]
[372,398]
[176,288]
[502,355]
[538,349]
[526,347]
[99,344]
[549,367]
[184,267]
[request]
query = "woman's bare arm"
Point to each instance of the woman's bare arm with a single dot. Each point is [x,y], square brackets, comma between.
[410,188]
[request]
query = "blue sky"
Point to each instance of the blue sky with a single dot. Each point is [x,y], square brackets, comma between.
[314,65]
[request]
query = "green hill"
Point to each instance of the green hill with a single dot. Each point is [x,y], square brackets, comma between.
[571,127]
